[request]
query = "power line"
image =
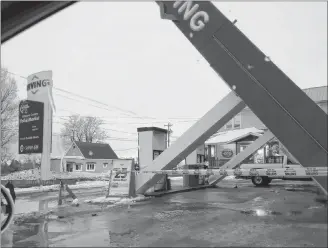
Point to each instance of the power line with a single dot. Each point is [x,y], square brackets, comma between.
[89,104]
[136,123]
[131,117]
[119,131]
[183,119]
[129,112]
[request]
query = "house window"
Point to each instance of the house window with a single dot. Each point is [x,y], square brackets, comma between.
[229,125]
[237,121]
[105,165]
[78,167]
[91,167]
[234,123]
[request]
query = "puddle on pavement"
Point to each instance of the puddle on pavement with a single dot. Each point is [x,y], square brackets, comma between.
[26,206]
[199,211]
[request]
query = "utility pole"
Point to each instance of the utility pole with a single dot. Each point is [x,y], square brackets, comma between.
[169,130]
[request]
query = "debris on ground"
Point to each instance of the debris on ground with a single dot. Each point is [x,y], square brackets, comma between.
[75,202]
[229,178]
[294,189]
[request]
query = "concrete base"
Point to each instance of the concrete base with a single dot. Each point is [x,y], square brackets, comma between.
[190,180]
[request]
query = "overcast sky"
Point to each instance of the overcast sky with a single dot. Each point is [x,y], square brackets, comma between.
[124,55]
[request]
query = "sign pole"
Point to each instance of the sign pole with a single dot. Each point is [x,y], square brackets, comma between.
[39,88]
[109,183]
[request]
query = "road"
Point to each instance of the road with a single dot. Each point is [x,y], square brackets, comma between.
[225,216]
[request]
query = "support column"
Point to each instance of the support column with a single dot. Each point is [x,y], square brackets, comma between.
[211,122]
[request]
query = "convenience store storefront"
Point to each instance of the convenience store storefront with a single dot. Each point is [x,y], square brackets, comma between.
[221,148]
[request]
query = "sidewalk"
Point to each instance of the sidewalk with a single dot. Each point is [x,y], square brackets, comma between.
[51,188]
[88,205]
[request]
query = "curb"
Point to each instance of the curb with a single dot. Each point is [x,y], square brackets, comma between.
[51,190]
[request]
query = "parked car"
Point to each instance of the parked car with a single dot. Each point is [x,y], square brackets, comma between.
[273,162]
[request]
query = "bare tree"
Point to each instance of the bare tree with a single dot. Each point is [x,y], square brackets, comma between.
[85,129]
[92,129]
[9,112]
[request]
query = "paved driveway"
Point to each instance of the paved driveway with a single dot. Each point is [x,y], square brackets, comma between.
[228,216]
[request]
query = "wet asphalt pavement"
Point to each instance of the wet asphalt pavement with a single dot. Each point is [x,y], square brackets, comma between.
[226,216]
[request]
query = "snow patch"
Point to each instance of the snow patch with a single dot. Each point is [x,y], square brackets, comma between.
[118,200]
[257,199]
[229,178]
[176,178]
[79,185]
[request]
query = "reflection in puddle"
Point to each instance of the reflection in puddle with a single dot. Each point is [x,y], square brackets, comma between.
[26,206]
[30,235]
[257,199]
[294,212]
[315,207]
[260,212]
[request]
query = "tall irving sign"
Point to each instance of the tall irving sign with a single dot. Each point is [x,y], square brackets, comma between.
[35,119]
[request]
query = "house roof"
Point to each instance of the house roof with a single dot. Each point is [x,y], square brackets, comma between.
[156,129]
[233,135]
[317,94]
[96,150]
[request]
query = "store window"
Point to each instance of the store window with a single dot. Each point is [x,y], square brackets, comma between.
[212,151]
[200,158]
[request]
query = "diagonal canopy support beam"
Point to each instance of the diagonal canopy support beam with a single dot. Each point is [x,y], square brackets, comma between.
[211,122]
[240,157]
[271,95]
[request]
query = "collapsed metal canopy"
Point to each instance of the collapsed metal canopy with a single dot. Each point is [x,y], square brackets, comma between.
[19,16]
